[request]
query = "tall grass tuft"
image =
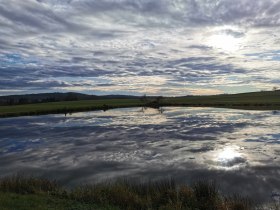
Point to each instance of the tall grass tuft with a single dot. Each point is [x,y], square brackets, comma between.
[126,194]
[207,195]
[236,202]
[23,185]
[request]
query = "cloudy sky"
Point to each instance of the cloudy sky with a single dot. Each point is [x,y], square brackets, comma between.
[153,47]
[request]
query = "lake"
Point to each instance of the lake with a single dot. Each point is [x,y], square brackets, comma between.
[239,149]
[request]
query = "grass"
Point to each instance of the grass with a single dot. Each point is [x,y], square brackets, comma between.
[254,100]
[13,201]
[269,100]
[67,107]
[21,193]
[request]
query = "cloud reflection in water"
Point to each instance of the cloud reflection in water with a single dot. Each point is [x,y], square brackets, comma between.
[238,148]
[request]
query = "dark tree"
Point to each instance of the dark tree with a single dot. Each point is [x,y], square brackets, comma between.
[144,98]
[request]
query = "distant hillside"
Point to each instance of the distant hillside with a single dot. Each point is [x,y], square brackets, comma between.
[75,102]
[252,98]
[55,97]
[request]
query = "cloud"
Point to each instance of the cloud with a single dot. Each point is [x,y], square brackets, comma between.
[173,12]
[137,39]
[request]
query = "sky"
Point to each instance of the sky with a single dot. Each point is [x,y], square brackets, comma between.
[136,47]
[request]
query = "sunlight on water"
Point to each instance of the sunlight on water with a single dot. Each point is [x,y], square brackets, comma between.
[137,116]
[228,154]
[230,157]
[184,143]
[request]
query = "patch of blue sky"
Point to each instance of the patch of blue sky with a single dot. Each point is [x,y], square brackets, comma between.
[93,80]
[116,92]
[269,55]
[238,89]
[16,59]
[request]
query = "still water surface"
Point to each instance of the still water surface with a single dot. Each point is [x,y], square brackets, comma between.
[238,148]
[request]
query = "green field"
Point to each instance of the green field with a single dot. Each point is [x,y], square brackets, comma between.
[266,98]
[67,107]
[269,100]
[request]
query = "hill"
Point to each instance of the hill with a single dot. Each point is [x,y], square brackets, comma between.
[54,97]
[266,100]
[263,98]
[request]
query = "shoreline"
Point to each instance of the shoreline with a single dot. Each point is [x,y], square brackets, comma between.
[20,110]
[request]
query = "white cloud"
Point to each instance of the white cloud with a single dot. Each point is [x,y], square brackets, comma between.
[186,41]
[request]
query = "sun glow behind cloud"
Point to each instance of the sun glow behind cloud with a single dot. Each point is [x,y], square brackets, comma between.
[224,42]
[227,39]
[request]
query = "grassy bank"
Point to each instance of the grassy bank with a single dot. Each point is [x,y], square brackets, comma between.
[269,100]
[32,193]
[67,107]
[254,100]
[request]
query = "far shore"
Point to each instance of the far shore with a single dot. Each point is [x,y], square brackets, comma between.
[266,100]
